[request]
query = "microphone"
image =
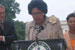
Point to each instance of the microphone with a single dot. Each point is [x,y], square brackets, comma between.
[41,28]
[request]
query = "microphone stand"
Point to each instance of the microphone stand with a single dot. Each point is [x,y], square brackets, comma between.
[36,41]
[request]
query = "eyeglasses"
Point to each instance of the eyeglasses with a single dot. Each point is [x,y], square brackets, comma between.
[37,13]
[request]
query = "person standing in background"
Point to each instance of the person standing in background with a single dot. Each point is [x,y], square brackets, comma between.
[70,35]
[7,31]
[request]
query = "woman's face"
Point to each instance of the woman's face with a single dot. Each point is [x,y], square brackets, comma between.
[38,16]
[71,23]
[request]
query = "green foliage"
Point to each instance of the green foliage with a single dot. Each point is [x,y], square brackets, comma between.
[11,8]
[20,30]
[13,46]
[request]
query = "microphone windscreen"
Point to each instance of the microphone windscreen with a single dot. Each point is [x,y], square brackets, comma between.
[41,28]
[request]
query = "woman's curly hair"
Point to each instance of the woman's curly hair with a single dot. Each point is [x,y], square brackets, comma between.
[39,4]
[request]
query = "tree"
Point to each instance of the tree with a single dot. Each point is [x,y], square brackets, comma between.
[20,30]
[11,8]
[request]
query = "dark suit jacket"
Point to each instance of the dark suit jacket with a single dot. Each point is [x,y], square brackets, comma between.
[10,35]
